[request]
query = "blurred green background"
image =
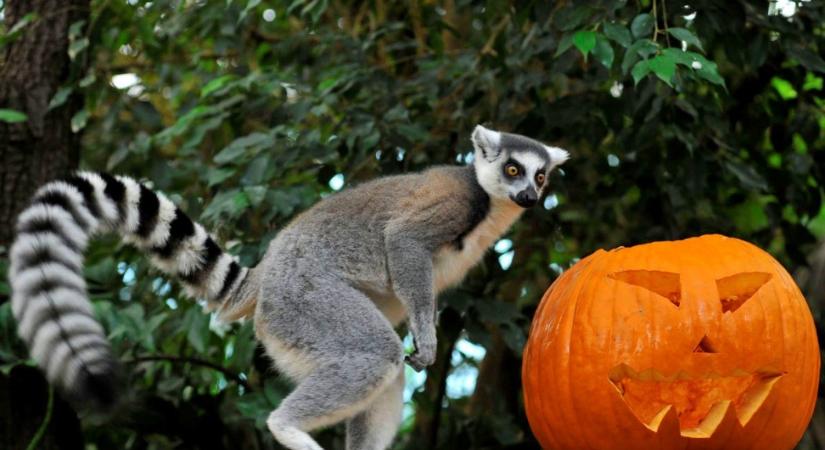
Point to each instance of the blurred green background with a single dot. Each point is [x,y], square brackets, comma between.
[682,118]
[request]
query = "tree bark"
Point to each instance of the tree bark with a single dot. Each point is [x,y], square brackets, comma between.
[32,68]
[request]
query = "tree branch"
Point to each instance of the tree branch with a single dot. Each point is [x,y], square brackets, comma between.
[190,360]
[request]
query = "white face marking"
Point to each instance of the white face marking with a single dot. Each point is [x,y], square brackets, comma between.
[531,164]
[491,156]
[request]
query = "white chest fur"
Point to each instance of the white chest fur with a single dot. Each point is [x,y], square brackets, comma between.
[450,264]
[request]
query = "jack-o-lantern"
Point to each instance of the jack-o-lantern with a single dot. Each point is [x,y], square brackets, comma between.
[704,343]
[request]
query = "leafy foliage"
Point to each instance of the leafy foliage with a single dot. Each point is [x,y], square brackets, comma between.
[681,118]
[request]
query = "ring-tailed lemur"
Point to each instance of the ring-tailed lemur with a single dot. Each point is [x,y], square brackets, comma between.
[325,298]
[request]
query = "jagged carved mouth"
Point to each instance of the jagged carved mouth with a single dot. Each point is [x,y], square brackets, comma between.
[700,402]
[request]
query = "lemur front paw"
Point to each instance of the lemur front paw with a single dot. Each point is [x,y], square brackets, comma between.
[424,354]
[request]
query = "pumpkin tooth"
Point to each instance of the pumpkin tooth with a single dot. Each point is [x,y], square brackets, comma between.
[656,421]
[745,390]
[711,421]
[753,398]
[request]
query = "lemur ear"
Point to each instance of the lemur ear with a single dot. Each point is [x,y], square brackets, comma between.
[487,143]
[557,155]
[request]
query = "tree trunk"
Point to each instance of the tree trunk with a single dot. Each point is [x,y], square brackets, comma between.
[33,68]
[39,149]
[428,402]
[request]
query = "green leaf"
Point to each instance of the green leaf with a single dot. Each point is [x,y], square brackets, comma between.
[413,132]
[640,70]
[218,175]
[603,51]
[641,48]
[807,58]
[564,45]
[12,116]
[196,325]
[76,47]
[747,175]
[749,216]
[17,28]
[784,88]
[709,72]
[255,194]
[642,25]
[231,203]
[242,146]
[680,56]
[700,65]
[618,33]
[87,80]
[216,84]
[664,67]
[585,41]
[326,86]
[571,17]
[60,97]
[79,120]
[76,29]
[683,34]
[812,82]
[250,5]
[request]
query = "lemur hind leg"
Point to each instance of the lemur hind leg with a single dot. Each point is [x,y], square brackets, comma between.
[375,427]
[341,350]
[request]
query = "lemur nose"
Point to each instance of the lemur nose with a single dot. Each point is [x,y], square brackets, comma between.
[526,198]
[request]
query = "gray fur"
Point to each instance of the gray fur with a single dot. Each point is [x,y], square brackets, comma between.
[337,280]
[326,297]
[522,144]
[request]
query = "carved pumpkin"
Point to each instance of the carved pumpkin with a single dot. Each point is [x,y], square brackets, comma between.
[695,344]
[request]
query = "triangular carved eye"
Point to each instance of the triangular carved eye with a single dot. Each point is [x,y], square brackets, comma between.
[735,290]
[664,284]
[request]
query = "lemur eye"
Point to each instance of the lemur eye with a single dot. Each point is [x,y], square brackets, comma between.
[511,169]
[540,178]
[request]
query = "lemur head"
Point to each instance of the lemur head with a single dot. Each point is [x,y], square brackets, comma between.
[513,166]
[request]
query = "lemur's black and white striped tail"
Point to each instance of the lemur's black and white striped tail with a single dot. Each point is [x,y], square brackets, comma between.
[49,298]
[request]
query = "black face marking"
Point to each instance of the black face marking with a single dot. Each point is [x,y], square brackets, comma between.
[88,191]
[479,208]
[116,192]
[180,228]
[209,255]
[231,275]
[60,200]
[526,198]
[148,207]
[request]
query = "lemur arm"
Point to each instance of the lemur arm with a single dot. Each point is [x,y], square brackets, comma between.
[433,216]
[411,271]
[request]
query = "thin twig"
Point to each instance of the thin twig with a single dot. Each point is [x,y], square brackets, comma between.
[664,18]
[41,430]
[488,46]
[442,392]
[190,360]
[655,22]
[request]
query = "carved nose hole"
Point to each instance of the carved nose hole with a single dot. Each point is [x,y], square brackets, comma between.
[705,346]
